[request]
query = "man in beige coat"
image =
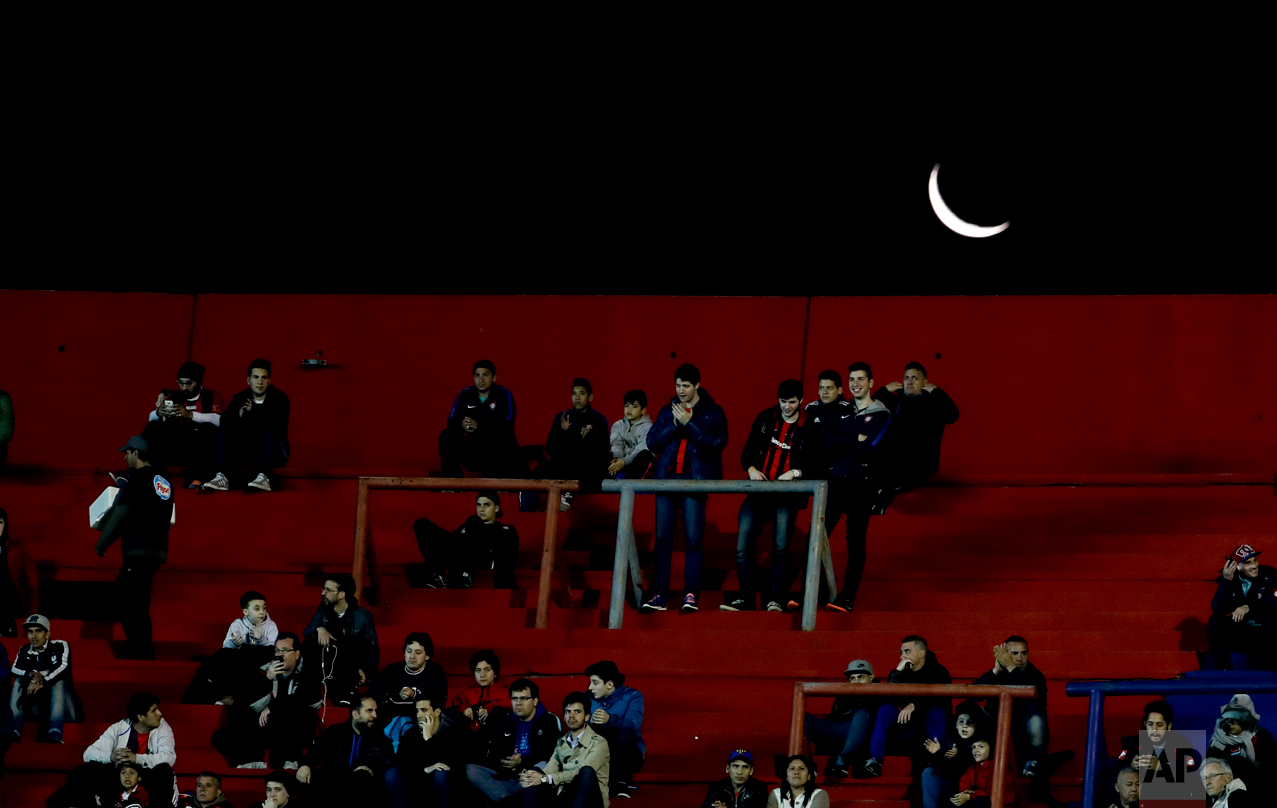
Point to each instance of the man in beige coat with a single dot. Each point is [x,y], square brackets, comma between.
[576,776]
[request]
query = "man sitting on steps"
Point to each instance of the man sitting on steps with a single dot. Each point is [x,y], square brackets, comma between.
[1243,615]
[342,637]
[910,719]
[254,432]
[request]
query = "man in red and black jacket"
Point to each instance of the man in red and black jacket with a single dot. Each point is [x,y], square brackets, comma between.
[182,429]
[773,451]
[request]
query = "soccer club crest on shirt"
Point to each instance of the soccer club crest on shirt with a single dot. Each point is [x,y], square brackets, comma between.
[868,418]
[162,488]
[492,405]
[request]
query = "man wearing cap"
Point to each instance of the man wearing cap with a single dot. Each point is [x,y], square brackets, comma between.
[182,429]
[42,678]
[849,724]
[480,432]
[140,518]
[1244,610]
[254,433]
[739,789]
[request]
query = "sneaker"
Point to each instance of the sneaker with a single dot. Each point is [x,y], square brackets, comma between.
[218,483]
[465,581]
[226,701]
[261,482]
[256,764]
[689,603]
[774,606]
[1030,769]
[738,605]
[656,603]
[436,581]
[291,765]
[565,502]
[622,792]
[194,485]
[839,604]
[836,768]
[870,768]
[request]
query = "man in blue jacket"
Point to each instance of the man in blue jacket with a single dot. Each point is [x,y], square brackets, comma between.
[687,440]
[616,713]
[480,431]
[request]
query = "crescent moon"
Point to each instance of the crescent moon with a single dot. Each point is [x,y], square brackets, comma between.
[950,220]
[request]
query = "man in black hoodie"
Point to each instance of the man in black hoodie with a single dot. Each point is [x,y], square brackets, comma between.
[349,761]
[1244,610]
[1029,731]
[140,518]
[254,432]
[344,632]
[919,413]
[578,442]
[910,719]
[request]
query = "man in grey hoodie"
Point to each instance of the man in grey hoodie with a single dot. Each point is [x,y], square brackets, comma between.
[630,456]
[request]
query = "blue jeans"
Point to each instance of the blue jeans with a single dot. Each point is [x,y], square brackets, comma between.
[936,789]
[755,512]
[847,736]
[582,792]
[54,701]
[668,507]
[490,785]
[910,734]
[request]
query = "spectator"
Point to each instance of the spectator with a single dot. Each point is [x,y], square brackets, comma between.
[6,426]
[850,433]
[277,715]
[576,775]
[1222,788]
[481,543]
[349,761]
[254,432]
[144,739]
[343,637]
[42,683]
[909,719]
[577,444]
[688,440]
[616,713]
[1029,731]
[849,724]
[919,413]
[208,792]
[401,685]
[140,518]
[18,580]
[1158,747]
[631,458]
[128,792]
[424,759]
[281,786]
[739,789]
[480,432]
[773,451]
[798,790]
[1243,617]
[182,429]
[948,757]
[478,701]
[1127,787]
[514,742]
[976,785]
[249,644]
[1248,747]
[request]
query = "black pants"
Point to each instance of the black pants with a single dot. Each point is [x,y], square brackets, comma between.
[624,757]
[1226,637]
[492,455]
[289,729]
[133,594]
[257,451]
[92,780]
[582,792]
[178,442]
[338,785]
[853,498]
[443,551]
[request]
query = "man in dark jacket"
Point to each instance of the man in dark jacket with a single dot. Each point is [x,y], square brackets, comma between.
[919,413]
[1160,755]
[401,684]
[1029,731]
[429,751]
[773,451]
[183,427]
[616,713]
[481,543]
[140,518]
[42,682]
[344,632]
[850,722]
[275,716]
[910,719]
[254,432]
[739,789]
[687,440]
[850,434]
[480,431]
[578,443]
[1244,611]
[349,761]
[512,742]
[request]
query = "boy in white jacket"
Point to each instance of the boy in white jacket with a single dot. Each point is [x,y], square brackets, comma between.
[630,455]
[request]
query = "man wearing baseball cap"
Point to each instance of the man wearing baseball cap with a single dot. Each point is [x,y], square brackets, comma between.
[847,729]
[42,677]
[140,519]
[1244,611]
[739,789]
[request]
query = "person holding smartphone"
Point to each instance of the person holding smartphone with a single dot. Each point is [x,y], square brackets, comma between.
[182,428]
[1243,617]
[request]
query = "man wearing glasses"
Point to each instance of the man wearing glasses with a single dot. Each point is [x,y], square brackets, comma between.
[343,637]
[512,742]
[182,429]
[849,725]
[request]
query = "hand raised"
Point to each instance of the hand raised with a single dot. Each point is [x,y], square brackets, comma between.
[1230,569]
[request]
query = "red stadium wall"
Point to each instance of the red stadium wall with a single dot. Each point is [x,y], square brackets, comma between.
[1050,388]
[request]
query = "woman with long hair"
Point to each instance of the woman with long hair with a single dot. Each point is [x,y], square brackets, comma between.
[798,790]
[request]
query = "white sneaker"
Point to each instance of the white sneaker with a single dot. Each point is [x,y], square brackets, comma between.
[291,765]
[261,482]
[565,502]
[218,483]
[257,764]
